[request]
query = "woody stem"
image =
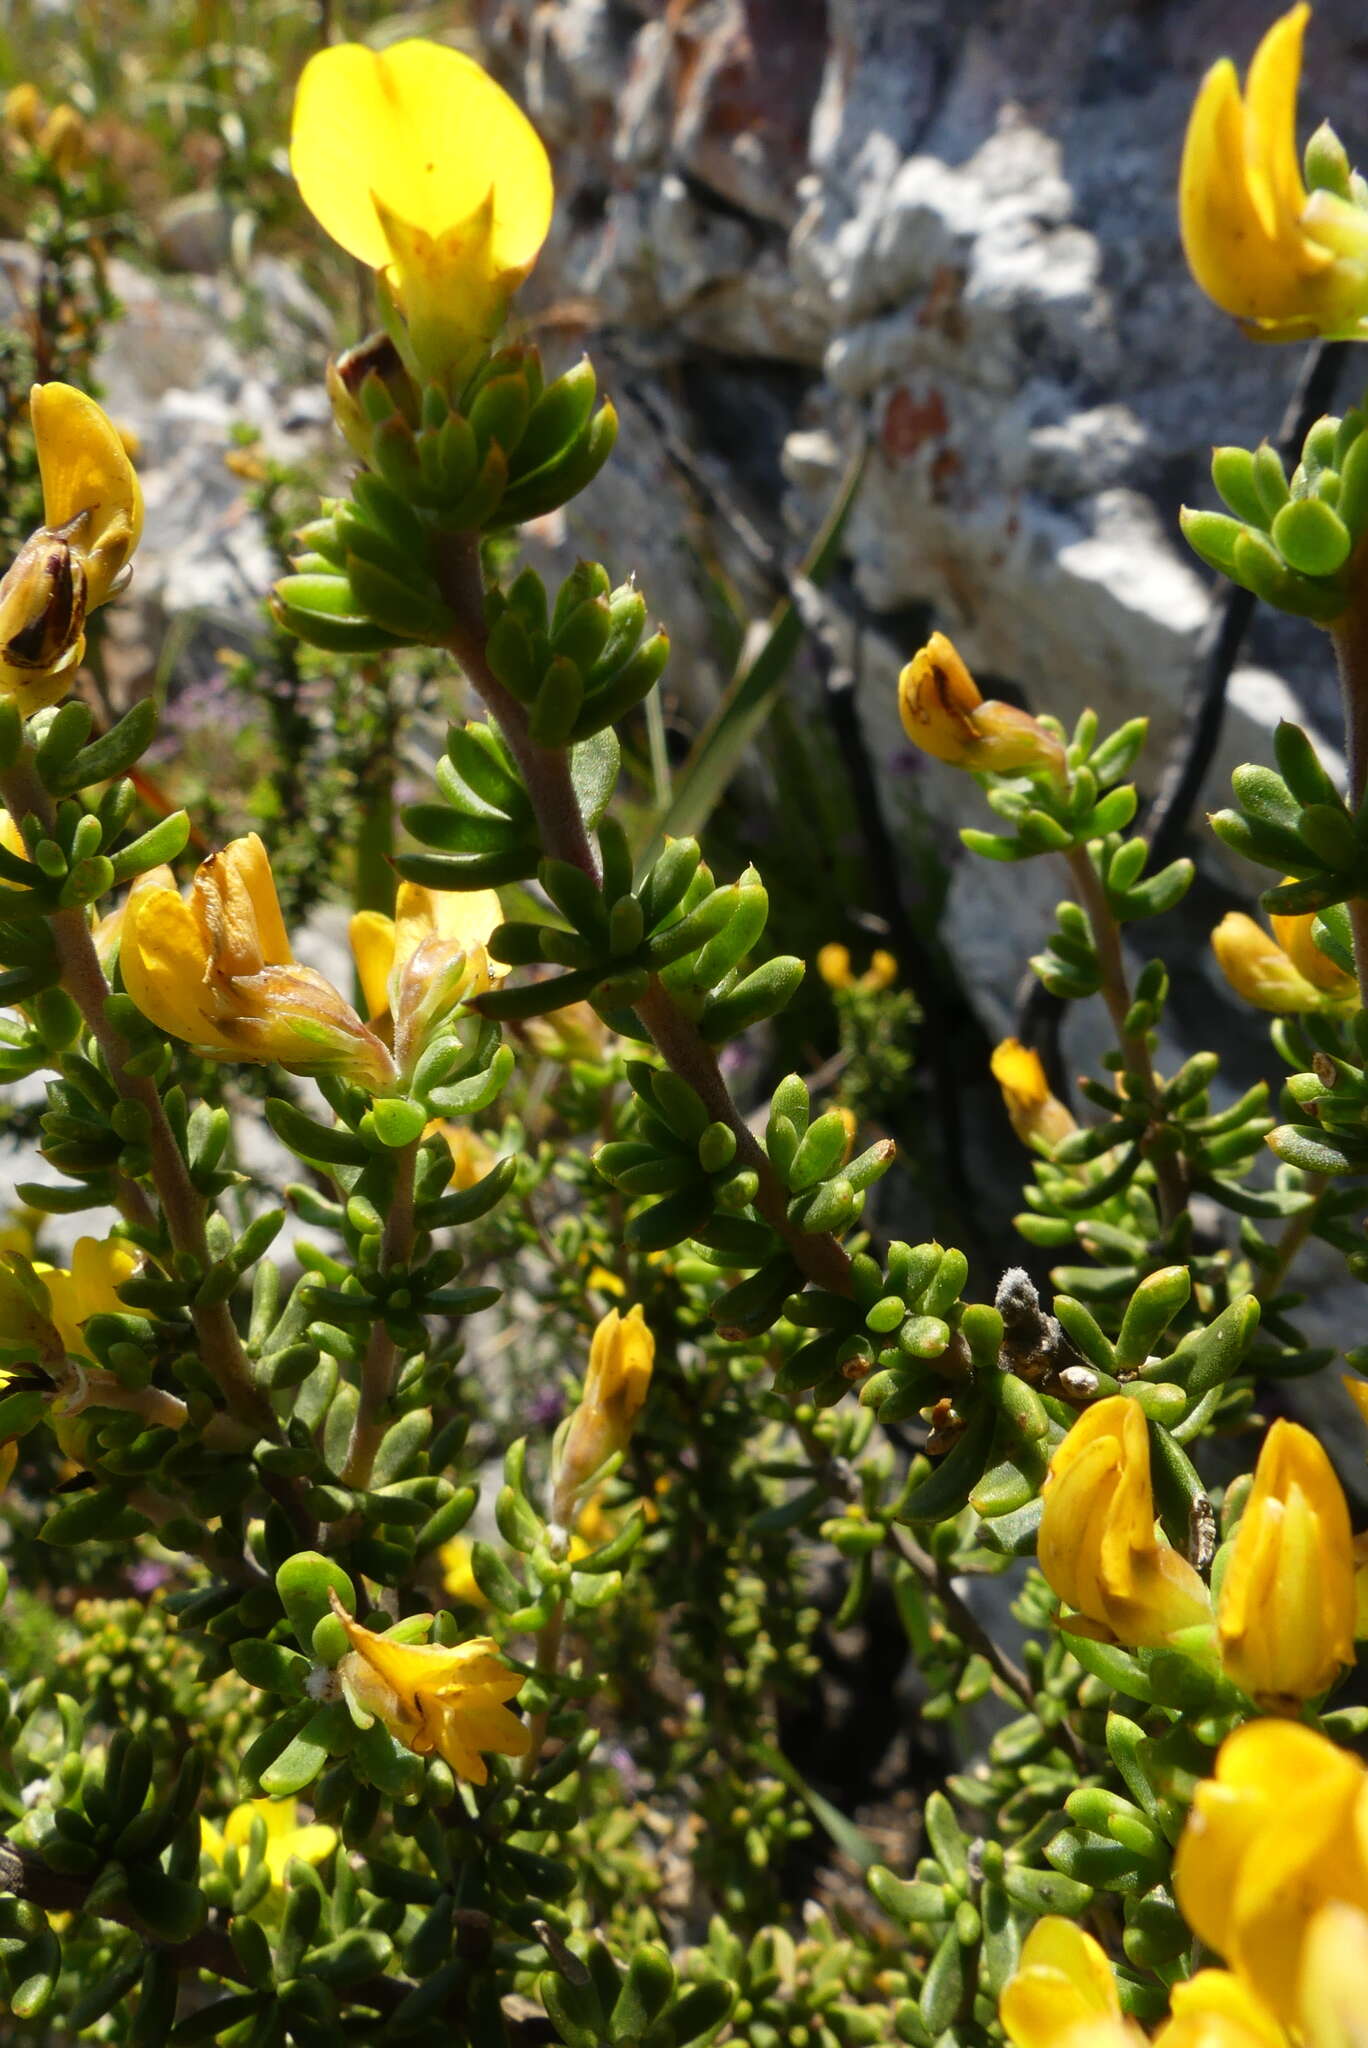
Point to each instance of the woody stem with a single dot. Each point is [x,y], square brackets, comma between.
[381,1362]
[546,772]
[1106,933]
[1350,636]
[547,1663]
[182,1206]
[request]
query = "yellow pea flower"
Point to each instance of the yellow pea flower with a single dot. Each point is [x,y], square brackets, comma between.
[437,1701]
[833,964]
[1285,1616]
[64,140]
[1215,2009]
[418,164]
[1039,1118]
[1278,1833]
[285,1837]
[1098,1547]
[1063,1990]
[99,1267]
[1287,973]
[458,1573]
[416,966]
[23,110]
[944,713]
[1333,2006]
[621,1358]
[595,1526]
[1286,263]
[76,561]
[471,1157]
[217,971]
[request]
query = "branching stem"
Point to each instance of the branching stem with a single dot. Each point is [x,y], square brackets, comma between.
[381,1361]
[1168,1171]
[546,772]
[1350,635]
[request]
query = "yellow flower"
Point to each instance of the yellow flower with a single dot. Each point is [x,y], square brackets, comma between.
[1039,1118]
[416,966]
[99,1267]
[1286,1609]
[444,1702]
[1334,1979]
[471,1157]
[92,522]
[63,140]
[218,972]
[1216,2010]
[944,713]
[1277,1834]
[458,1574]
[1098,1547]
[1288,973]
[833,964]
[23,110]
[621,1357]
[284,1835]
[1063,1990]
[1287,264]
[421,166]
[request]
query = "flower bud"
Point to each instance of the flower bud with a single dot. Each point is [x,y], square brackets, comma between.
[1286,263]
[1285,1617]
[418,966]
[1288,973]
[1039,1118]
[944,713]
[42,620]
[620,1361]
[1098,1546]
[63,140]
[23,110]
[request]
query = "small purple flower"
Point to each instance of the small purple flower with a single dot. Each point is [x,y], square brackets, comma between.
[546,1406]
[147,1575]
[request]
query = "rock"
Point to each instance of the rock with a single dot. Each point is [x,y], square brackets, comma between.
[958,227]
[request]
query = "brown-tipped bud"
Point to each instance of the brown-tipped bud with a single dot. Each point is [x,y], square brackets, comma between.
[945,714]
[356,375]
[42,621]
